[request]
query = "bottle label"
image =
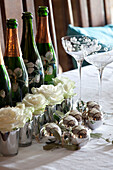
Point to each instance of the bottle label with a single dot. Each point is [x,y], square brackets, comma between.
[2,93]
[16,77]
[34,70]
[48,63]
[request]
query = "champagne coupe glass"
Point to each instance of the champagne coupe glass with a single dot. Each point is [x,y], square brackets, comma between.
[100,59]
[78,46]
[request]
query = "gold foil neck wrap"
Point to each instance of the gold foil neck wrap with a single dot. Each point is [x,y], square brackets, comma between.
[43,34]
[1,57]
[12,43]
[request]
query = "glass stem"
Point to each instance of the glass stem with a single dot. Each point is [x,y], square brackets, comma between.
[100,84]
[79,64]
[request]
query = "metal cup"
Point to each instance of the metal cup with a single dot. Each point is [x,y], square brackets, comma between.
[9,142]
[38,122]
[25,134]
[65,106]
[48,113]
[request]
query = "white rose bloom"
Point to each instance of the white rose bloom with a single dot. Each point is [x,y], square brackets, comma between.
[54,94]
[13,117]
[68,85]
[28,111]
[38,101]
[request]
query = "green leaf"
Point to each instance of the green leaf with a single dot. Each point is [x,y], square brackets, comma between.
[56,146]
[96,135]
[56,117]
[60,114]
[71,147]
[52,146]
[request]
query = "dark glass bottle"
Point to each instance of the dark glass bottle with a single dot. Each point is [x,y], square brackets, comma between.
[30,53]
[15,64]
[5,85]
[45,47]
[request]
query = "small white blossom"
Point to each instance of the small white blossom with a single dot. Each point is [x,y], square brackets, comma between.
[49,56]
[30,64]
[2,93]
[30,70]
[49,70]
[18,72]
[68,85]
[10,72]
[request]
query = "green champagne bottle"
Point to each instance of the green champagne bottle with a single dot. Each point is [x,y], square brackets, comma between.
[5,85]
[15,64]
[45,47]
[30,53]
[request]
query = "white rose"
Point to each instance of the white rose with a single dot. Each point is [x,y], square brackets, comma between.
[68,85]
[54,94]
[38,101]
[11,118]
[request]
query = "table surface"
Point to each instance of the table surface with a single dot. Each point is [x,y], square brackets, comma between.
[96,155]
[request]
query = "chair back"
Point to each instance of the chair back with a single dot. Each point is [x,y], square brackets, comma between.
[82,13]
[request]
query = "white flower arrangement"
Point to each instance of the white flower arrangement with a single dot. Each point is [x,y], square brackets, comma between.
[68,86]
[37,101]
[12,118]
[54,94]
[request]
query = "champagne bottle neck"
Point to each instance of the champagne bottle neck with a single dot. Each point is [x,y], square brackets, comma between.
[43,33]
[28,30]
[12,43]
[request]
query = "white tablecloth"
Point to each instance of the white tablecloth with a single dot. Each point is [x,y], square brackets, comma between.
[96,155]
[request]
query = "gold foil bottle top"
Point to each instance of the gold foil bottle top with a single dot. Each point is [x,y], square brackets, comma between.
[43,33]
[12,42]
[1,57]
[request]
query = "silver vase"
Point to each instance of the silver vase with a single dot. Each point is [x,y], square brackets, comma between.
[48,113]
[25,134]
[38,122]
[65,106]
[9,142]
